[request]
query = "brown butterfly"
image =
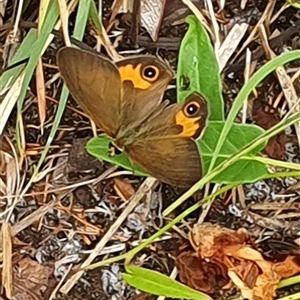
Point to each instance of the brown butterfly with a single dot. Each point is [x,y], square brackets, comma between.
[125,100]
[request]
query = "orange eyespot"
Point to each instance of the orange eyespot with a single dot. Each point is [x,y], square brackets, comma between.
[150,73]
[192,109]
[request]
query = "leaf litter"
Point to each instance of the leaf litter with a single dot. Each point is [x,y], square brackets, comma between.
[73,211]
[225,257]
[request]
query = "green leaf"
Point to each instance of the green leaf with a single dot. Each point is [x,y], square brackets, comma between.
[294,3]
[99,148]
[244,170]
[51,17]
[8,78]
[81,18]
[198,69]
[155,283]
[196,60]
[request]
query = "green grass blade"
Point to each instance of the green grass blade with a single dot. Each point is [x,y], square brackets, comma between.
[25,49]
[93,15]
[81,18]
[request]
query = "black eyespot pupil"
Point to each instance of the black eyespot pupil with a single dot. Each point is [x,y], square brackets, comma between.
[192,109]
[149,72]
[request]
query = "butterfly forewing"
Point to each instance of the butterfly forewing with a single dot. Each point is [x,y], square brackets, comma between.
[95,84]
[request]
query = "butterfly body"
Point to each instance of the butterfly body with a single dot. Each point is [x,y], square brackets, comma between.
[125,100]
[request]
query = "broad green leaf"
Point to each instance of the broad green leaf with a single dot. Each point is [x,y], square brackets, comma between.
[244,170]
[197,69]
[155,283]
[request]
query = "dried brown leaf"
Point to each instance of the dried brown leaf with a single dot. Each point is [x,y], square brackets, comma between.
[123,188]
[289,267]
[31,279]
[276,145]
[79,159]
[199,274]
[235,254]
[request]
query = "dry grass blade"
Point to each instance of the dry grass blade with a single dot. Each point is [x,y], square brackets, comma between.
[290,95]
[12,179]
[12,43]
[31,218]
[230,43]
[105,41]
[206,206]
[217,42]
[18,17]
[64,16]
[71,211]
[9,101]
[243,4]
[3,4]
[142,191]
[246,76]
[41,92]
[114,11]
[7,260]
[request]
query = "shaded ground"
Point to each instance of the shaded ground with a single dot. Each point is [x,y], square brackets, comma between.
[79,216]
